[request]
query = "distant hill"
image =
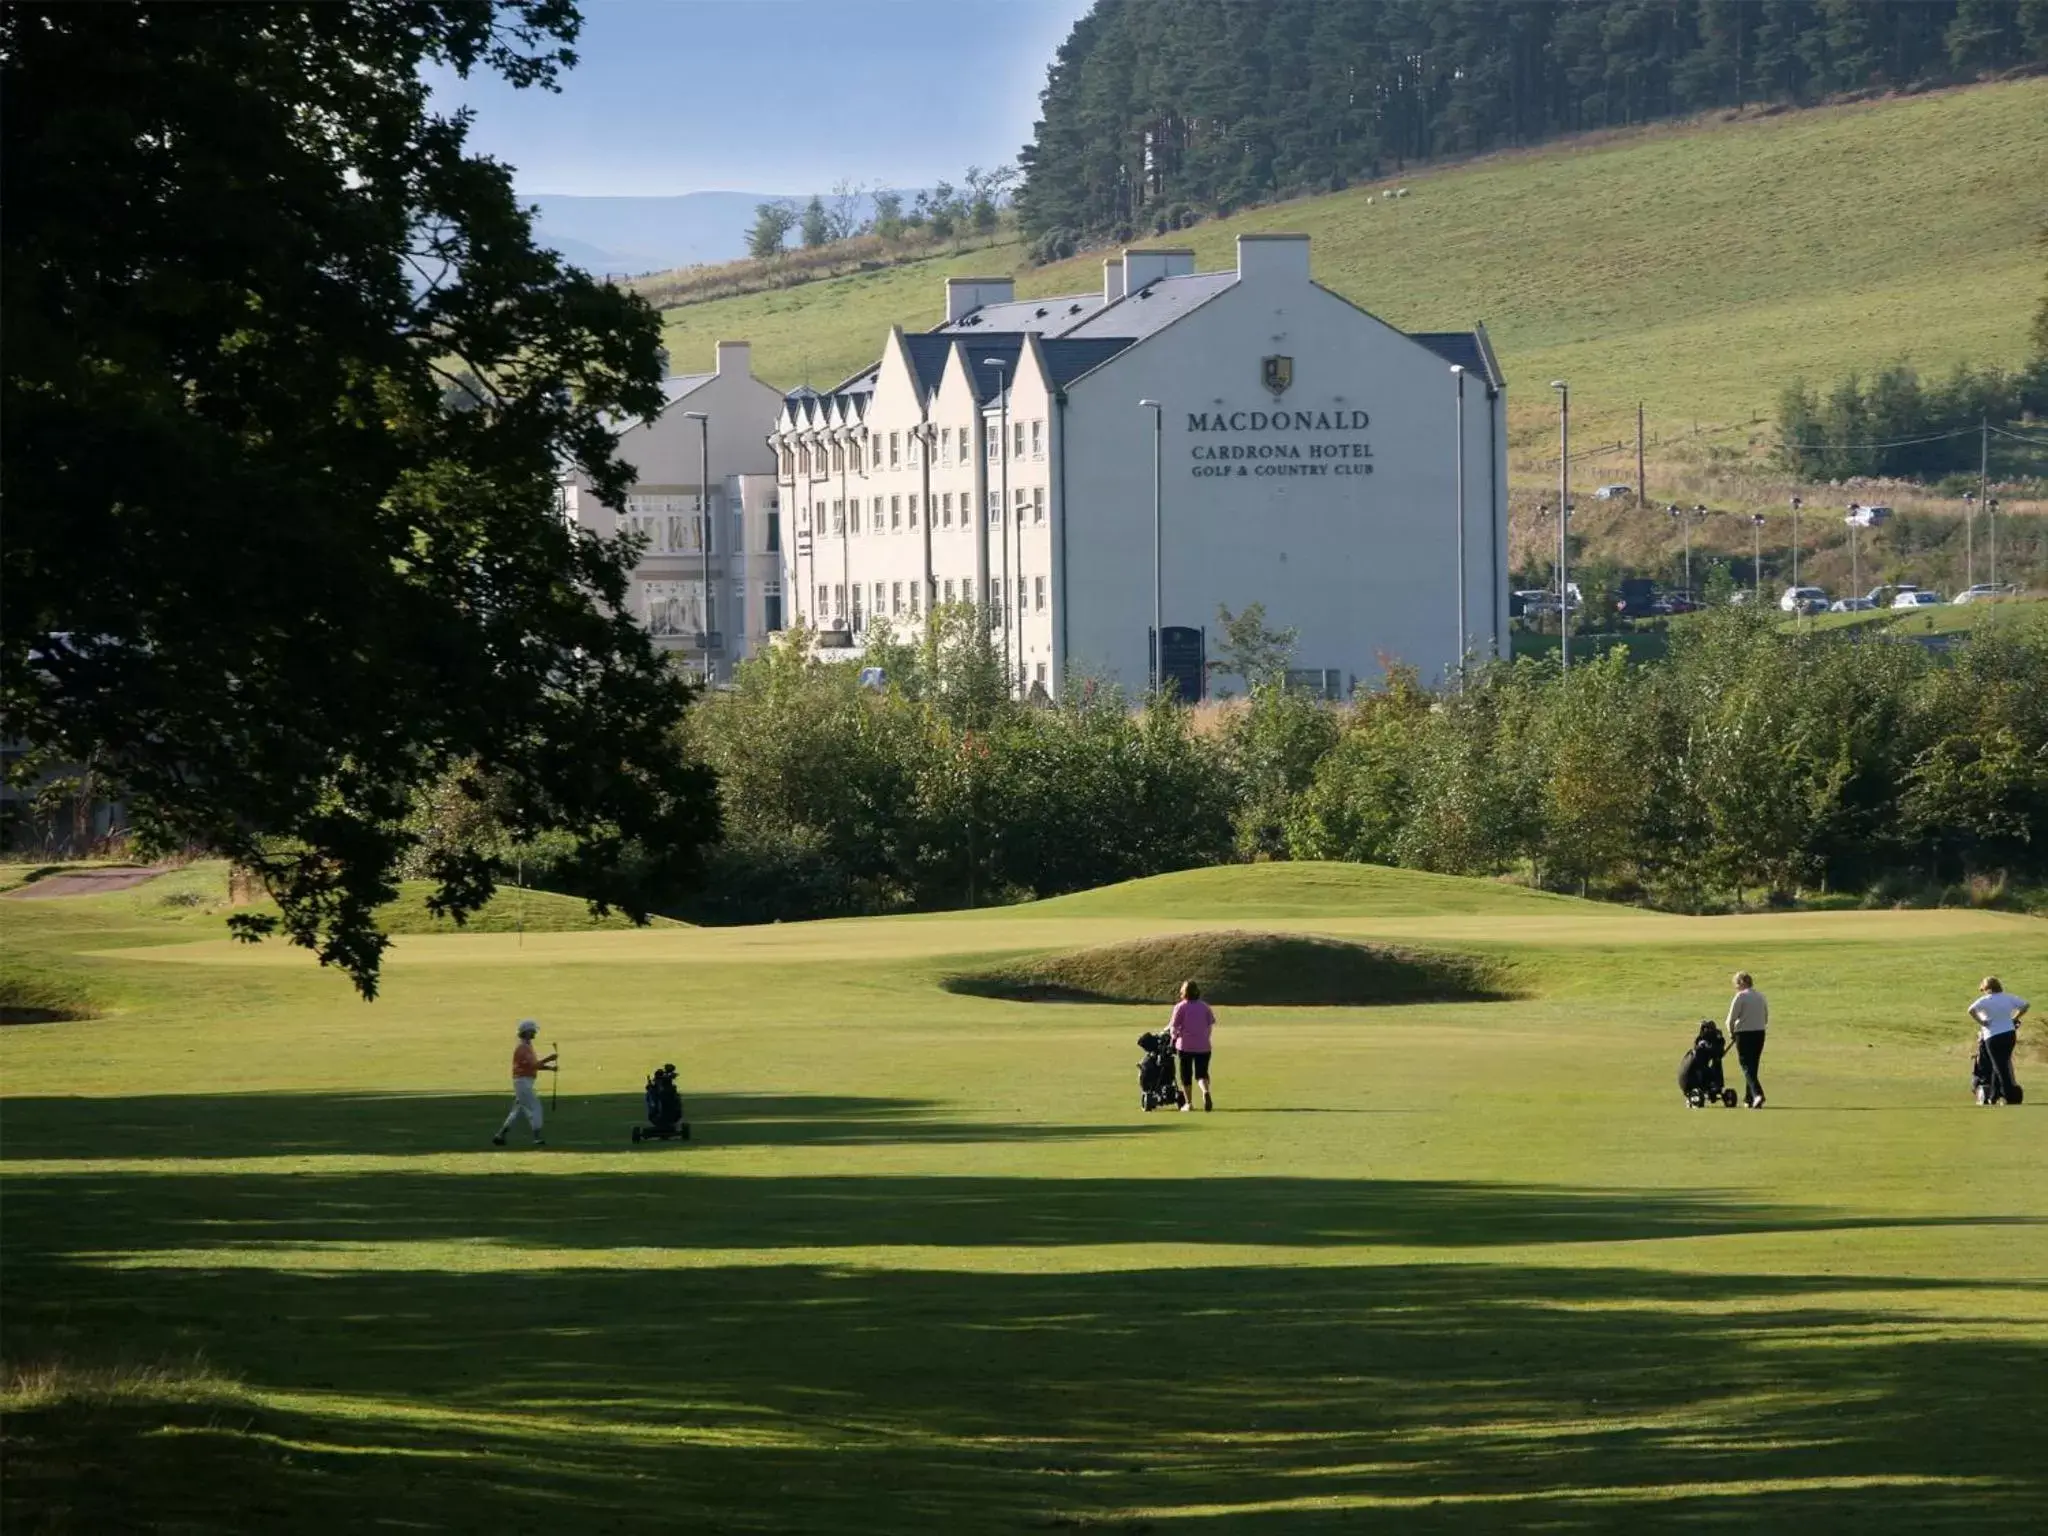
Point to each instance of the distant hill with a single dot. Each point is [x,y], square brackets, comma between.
[654,234]
[1696,267]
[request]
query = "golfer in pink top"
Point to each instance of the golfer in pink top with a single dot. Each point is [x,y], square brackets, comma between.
[1191,1027]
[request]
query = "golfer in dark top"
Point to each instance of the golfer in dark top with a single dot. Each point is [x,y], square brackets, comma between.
[1748,1016]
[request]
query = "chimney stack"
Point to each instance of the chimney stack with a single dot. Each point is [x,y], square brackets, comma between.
[735,359]
[964,295]
[1112,279]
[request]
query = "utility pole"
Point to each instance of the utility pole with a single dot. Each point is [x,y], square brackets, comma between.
[1984,488]
[1642,492]
[1756,559]
[1855,565]
[1564,517]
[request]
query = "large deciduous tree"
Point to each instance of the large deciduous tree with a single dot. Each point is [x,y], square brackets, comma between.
[288,393]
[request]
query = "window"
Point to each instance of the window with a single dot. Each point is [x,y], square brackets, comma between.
[945,447]
[1038,439]
[913,511]
[853,456]
[788,465]
[1038,504]
[671,608]
[854,520]
[915,586]
[803,459]
[667,525]
[1016,439]
[995,506]
[994,444]
[774,533]
[895,597]
[1041,674]
[839,517]
[859,592]
[1038,594]
[1022,498]
[818,521]
[878,512]
[839,458]
[895,512]
[771,606]
[949,590]
[838,601]
[881,599]
[824,606]
[946,510]
[895,449]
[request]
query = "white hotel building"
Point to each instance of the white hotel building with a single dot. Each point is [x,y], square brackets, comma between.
[1311,461]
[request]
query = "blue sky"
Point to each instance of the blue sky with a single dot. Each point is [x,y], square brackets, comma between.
[783,96]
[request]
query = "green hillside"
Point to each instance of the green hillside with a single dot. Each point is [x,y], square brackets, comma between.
[1696,268]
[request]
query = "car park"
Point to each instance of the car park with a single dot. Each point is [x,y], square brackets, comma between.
[1804,600]
[1917,597]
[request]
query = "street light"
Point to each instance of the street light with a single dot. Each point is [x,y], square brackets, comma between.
[1003,517]
[1158,459]
[1458,374]
[703,421]
[1991,526]
[1969,549]
[1796,504]
[1855,563]
[1564,516]
[1756,558]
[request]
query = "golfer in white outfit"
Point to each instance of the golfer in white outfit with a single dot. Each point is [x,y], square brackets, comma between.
[1998,1014]
[525,1093]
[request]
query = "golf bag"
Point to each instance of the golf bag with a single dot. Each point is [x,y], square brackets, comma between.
[1984,1084]
[1156,1085]
[664,1109]
[1700,1076]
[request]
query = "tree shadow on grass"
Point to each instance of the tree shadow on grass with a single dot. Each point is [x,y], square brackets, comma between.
[304,1124]
[1459,1397]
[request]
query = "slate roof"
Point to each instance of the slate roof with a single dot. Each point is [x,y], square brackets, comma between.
[1463,348]
[1048,317]
[1155,306]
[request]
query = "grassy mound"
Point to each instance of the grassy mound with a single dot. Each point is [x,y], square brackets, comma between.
[32,994]
[1307,889]
[1236,967]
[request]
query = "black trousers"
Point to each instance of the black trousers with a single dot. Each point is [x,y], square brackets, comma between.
[1749,1050]
[1996,1054]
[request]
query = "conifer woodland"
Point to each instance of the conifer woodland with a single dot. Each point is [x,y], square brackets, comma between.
[1157,112]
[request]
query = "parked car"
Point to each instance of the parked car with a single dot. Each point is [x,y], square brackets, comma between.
[1985,592]
[1678,602]
[1867,517]
[1638,598]
[1852,605]
[1615,493]
[1803,600]
[1739,598]
[1917,597]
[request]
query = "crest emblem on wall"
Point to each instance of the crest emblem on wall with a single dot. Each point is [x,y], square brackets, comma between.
[1276,373]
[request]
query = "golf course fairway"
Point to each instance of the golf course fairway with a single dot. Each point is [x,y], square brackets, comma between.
[924,1266]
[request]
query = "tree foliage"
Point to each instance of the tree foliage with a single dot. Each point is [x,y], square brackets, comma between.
[288,388]
[1155,108]
[772,223]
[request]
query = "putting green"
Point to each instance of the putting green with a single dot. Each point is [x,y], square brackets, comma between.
[925,1266]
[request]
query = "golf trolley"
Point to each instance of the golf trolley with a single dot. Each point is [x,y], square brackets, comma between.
[1700,1076]
[664,1109]
[1156,1086]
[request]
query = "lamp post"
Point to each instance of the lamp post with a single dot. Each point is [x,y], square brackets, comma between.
[1855,563]
[1158,460]
[1003,503]
[1991,527]
[1796,504]
[1969,550]
[703,421]
[1564,517]
[1756,558]
[1458,375]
